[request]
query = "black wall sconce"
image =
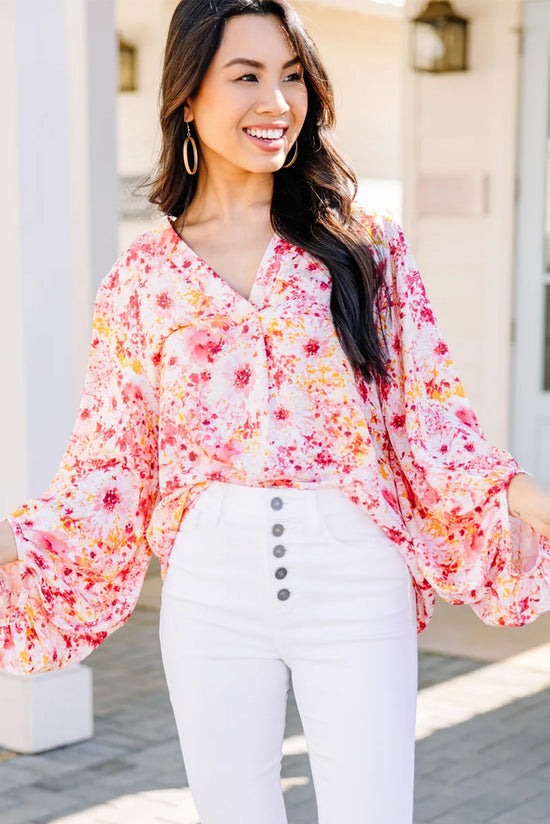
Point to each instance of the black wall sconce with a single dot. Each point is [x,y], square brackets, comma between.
[127,65]
[439,39]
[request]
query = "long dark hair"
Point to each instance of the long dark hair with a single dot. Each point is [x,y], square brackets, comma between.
[312,199]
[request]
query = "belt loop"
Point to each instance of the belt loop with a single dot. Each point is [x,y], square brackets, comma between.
[218,491]
[317,503]
[207,507]
[322,495]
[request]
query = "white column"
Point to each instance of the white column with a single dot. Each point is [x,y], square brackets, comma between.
[58,238]
[92,52]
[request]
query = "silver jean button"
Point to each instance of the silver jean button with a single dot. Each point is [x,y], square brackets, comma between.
[278,529]
[279,550]
[283,594]
[276,503]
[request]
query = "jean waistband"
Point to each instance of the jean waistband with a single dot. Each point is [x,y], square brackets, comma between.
[238,503]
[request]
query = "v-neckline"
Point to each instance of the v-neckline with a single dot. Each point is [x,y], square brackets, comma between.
[256,283]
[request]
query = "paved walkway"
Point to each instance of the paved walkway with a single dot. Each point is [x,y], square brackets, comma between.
[483,751]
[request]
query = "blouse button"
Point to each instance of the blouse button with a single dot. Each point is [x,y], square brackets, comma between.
[283,594]
[279,550]
[281,572]
[278,529]
[276,503]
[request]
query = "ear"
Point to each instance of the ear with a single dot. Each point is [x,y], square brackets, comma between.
[188,115]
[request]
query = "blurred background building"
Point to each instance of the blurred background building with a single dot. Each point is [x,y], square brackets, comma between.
[460,157]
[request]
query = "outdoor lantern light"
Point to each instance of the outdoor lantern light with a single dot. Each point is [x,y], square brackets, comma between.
[127,61]
[439,39]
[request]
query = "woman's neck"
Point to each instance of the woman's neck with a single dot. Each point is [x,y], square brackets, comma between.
[231,197]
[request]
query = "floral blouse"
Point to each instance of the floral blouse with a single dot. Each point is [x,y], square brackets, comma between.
[189,382]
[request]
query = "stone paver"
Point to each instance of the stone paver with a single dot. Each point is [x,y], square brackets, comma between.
[483,746]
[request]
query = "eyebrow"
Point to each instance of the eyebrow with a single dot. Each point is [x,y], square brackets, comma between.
[246,61]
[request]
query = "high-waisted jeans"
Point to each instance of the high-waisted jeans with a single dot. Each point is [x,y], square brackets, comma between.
[264,582]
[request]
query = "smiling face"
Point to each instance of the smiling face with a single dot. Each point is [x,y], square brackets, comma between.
[253,99]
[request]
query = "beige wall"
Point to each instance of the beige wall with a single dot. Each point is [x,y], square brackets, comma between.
[363,55]
[144,23]
[466,123]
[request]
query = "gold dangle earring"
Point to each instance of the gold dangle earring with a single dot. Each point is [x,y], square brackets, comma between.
[190,139]
[288,165]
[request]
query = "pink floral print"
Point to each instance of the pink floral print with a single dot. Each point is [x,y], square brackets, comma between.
[189,382]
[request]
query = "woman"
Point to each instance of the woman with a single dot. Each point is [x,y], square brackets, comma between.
[270,408]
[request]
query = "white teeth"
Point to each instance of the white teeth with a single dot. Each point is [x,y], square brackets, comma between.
[267,134]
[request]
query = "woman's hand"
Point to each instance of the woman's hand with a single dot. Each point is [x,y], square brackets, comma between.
[530,503]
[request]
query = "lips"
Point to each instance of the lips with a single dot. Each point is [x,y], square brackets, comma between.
[267,143]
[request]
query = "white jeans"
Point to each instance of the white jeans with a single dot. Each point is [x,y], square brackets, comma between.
[267,581]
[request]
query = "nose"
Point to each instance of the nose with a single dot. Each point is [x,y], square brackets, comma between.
[273,102]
